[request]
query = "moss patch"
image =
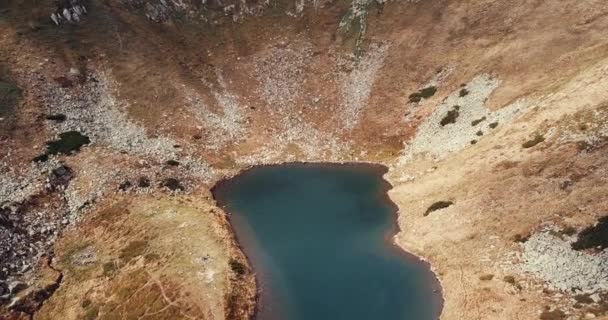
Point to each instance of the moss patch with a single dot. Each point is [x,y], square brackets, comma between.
[509,279]
[109,268]
[478,121]
[450,117]
[9,96]
[68,143]
[424,93]
[556,314]
[538,138]
[437,206]
[237,267]
[486,277]
[595,236]
[133,250]
[173,184]
[91,313]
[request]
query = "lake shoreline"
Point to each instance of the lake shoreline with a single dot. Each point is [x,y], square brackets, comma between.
[378,170]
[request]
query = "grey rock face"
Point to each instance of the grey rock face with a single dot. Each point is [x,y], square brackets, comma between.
[70,11]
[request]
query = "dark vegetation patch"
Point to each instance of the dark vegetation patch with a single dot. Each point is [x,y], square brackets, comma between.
[437,206]
[58,117]
[473,141]
[64,82]
[486,277]
[9,95]
[450,117]
[109,268]
[509,279]
[69,142]
[172,163]
[41,158]
[422,94]
[569,231]
[602,307]
[521,238]
[493,125]
[133,250]
[479,133]
[173,184]
[478,121]
[143,182]
[125,185]
[237,267]
[150,257]
[583,298]
[85,303]
[91,313]
[538,138]
[595,236]
[463,92]
[556,234]
[556,314]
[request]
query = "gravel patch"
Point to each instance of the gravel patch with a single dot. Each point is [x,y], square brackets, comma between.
[15,187]
[357,85]
[91,108]
[225,127]
[280,72]
[552,259]
[439,140]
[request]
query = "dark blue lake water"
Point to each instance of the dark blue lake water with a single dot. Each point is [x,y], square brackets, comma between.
[318,237]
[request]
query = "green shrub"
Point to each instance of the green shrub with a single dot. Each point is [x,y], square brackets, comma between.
[476,122]
[438,205]
[531,143]
[556,314]
[132,250]
[9,95]
[486,277]
[109,268]
[450,117]
[238,268]
[423,94]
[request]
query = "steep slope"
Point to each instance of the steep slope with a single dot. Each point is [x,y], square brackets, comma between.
[495,107]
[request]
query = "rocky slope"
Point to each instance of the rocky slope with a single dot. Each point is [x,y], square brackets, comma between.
[114,126]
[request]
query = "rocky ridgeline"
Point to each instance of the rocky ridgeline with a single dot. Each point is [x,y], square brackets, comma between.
[549,255]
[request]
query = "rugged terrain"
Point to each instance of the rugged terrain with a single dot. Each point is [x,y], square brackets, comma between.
[115,124]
